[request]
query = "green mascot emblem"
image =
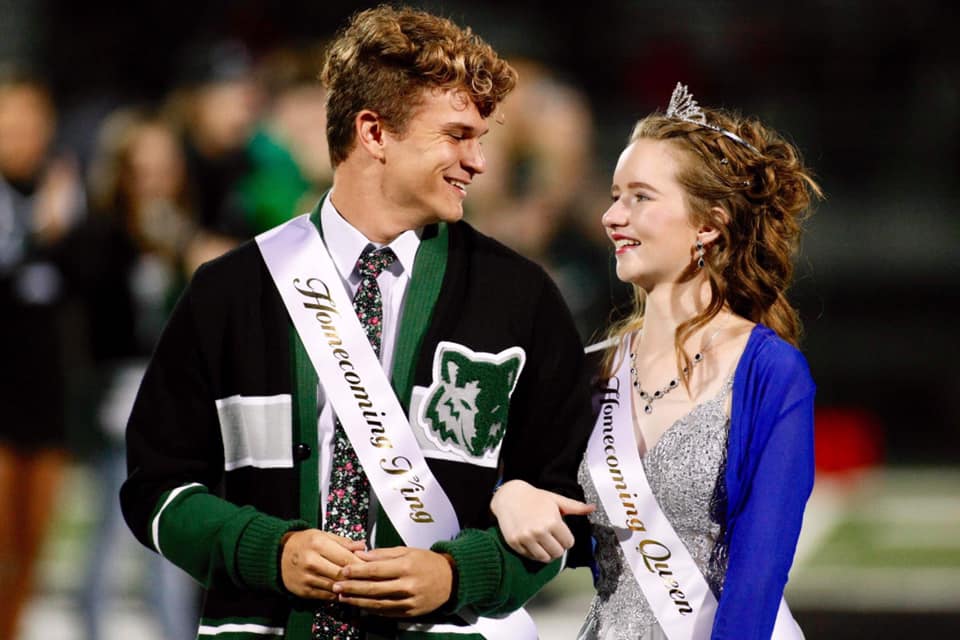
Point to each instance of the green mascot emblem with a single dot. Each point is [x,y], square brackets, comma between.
[467,404]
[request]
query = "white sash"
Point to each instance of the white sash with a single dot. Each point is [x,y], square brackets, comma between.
[670,580]
[361,395]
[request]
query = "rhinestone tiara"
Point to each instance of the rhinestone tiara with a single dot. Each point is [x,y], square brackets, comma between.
[683,107]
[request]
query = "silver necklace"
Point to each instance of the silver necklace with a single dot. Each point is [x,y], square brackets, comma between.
[670,386]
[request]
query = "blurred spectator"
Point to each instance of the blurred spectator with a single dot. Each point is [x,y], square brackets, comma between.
[40,199]
[537,163]
[288,152]
[537,193]
[216,104]
[125,264]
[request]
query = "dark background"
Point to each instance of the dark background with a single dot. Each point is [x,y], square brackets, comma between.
[868,91]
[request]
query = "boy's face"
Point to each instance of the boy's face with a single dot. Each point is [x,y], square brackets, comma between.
[428,169]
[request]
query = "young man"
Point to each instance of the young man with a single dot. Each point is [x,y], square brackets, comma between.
[262,452]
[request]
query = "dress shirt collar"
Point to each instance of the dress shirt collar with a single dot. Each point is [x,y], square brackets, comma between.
[345,242]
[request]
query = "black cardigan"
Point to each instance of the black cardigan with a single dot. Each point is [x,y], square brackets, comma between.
[230,336]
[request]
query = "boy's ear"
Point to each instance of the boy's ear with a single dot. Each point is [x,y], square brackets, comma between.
[370,133]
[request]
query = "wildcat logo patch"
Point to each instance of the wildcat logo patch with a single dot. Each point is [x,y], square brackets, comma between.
[464,411]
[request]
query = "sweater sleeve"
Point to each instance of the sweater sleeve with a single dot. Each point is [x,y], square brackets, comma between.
[550,421]
[175,458]
[551,415]
[492,578]
[763,533]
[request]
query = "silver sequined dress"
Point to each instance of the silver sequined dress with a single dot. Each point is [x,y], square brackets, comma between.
[685,471]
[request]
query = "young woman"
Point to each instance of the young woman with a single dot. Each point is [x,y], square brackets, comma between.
[701,460]
[127,265]
[40,201]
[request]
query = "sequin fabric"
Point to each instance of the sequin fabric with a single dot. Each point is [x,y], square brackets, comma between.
[348,501]
[685,471]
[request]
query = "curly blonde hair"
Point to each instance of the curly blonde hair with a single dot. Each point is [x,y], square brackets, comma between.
[386,57]
[757,198]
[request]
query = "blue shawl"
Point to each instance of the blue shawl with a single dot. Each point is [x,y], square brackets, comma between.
[769,477]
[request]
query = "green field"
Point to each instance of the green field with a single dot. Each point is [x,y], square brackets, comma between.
[875,545]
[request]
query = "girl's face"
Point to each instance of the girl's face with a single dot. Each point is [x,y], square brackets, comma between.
[648,221]
[26,129]
[156,165]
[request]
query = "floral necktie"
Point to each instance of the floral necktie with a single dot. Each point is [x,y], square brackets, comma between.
[348,502]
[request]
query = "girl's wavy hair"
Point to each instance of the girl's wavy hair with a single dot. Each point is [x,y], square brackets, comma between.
[763,195]
[386,57]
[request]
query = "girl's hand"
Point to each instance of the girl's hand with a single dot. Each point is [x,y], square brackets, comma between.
[531,519]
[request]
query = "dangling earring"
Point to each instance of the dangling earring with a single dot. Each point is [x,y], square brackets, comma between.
[700,253]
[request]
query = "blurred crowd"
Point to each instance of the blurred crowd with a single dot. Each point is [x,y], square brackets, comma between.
[100,233]
[107,206]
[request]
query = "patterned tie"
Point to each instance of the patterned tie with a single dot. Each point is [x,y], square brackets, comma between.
[349,499]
